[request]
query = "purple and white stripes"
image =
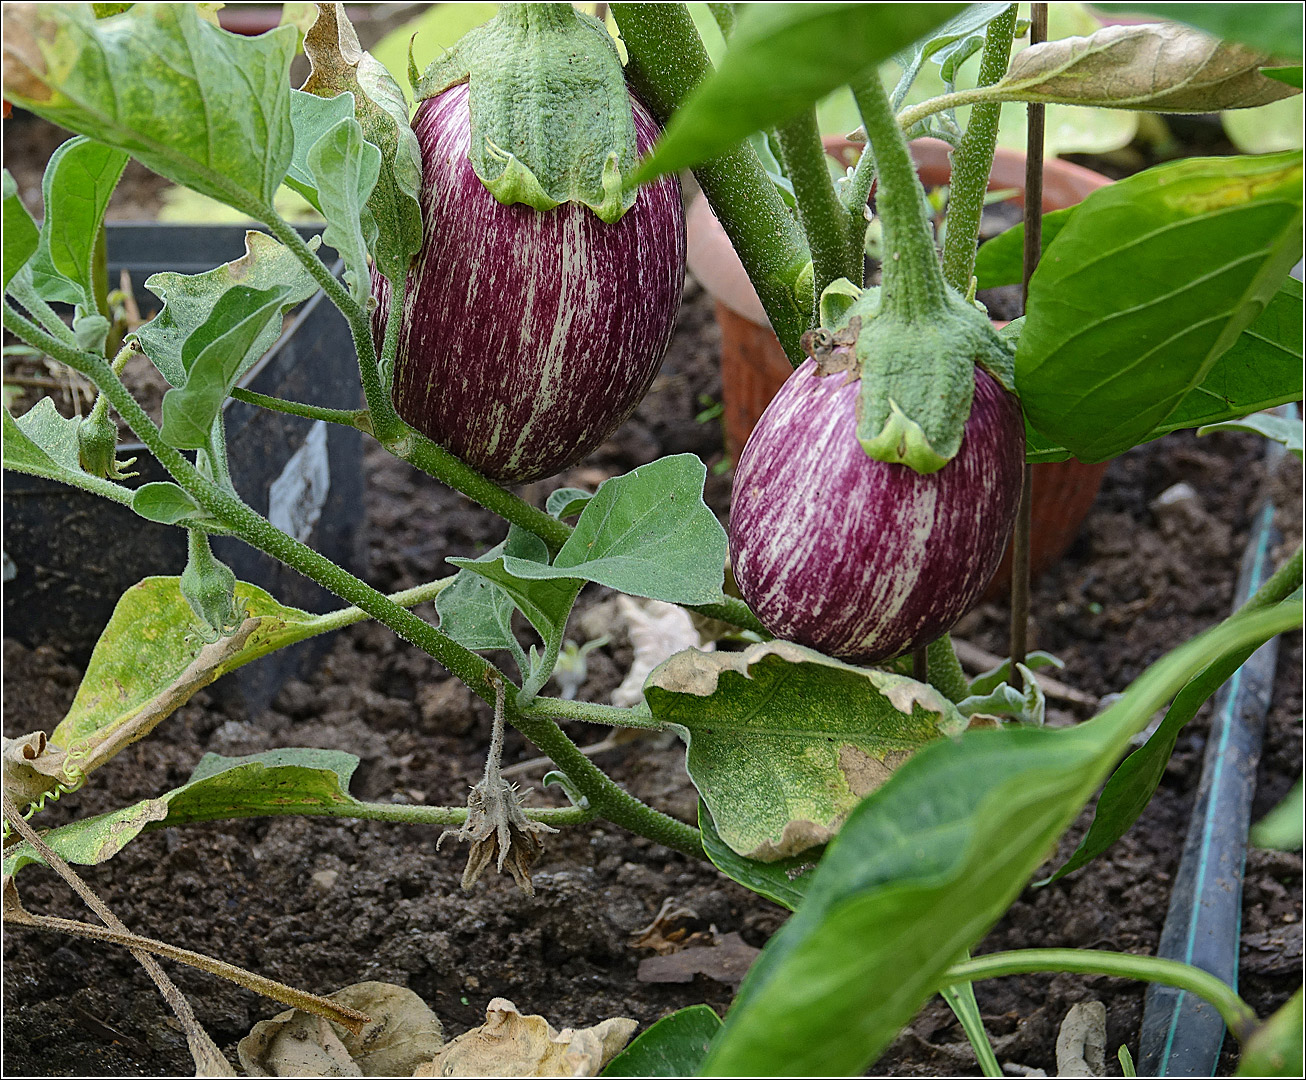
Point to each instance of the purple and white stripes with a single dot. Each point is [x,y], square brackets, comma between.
[857,558]
[529,336]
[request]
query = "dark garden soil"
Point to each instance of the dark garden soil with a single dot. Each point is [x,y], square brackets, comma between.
[320,904]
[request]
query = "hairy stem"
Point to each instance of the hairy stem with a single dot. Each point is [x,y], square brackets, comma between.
[667,60]
[972,161]
[1236,1013]
[593,713]
[357,418]
[946,675]
[914,114]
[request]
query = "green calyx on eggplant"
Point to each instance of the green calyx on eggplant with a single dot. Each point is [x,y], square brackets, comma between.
[209,587]
[550,112]
[97,445]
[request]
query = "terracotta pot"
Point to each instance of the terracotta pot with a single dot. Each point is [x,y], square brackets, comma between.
[754,367]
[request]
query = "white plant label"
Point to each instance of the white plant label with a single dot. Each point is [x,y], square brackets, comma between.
[297,496]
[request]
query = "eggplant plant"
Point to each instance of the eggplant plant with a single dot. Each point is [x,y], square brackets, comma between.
[511,259]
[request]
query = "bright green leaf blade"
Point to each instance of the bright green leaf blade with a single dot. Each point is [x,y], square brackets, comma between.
[779,61]
[784,882]
[1280,429]
[1289,76]
[1275,1048]
[1274,29]
[1000,261]
[200,106]
[311,117]
[1281,828]
[1151,280]
[44,442]
[566,502]
[345,167]
[147,657]
[292,781]
[477,613]
[647,533]
[925,865]
[189,300]
[547,602]
[166,503]
[972,20]
[21,236]
[214,356]
[78,183]
[782,742]
[675,1046]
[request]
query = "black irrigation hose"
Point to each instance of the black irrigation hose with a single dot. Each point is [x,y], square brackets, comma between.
[1181,1034]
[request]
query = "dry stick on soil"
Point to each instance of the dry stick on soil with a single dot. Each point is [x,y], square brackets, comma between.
[1038,32]
[209,1061]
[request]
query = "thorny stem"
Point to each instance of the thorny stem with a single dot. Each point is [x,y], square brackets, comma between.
[1236,1013]
[208,1058]
[836,247]
[667,60]
[479,674]
[973,159]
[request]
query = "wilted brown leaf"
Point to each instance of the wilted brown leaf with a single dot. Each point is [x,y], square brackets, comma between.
[727,961]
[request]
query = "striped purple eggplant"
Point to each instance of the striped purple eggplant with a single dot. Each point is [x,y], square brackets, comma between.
[857,558]
[528,336]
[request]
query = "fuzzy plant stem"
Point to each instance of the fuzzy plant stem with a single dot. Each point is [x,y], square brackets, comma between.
[478,673]
[1236,1013]
[836,246]
[972,160]
[355,418]
[946,675]
[667,61]
[912,285]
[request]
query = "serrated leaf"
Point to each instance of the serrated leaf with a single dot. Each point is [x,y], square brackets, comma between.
[1158,67]
[339,64]
[1148,284]
[1274,29]
[21,236]
[647,533]
[147,82]
[214,356]
[784,881]
[189,300]
[924,866]
[147,659]
[166,503]
[290,781]
[782,742]
[780,61]
[674,1046]
[345,167]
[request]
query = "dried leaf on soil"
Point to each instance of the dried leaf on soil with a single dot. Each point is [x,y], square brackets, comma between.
[509,1044]
[727,961]
[1081,1043]
[402,1033]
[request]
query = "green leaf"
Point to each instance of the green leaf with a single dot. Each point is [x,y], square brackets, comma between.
[647,533]
[291,781]
[167,504]
[1289,76]
[1281,828]
[1274,29]
[42,442]
[1001,261]
[924,866]
[345,167]
[940,44]
[782,742]
[147,660]
[214,356]
[784,882]
[1151,280]
[311,117]
[566,502]
[340,64]
[1280,429]
[1275,1048]
[195,104]
[779,61]
[545,603]
[189,301]
[79,180]
[675,1046]
[21,235]
[1267,130]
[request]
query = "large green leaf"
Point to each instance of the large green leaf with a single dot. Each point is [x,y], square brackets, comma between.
[21,236]
[924,866]
[780,60]
[345,167]
[42,442]
[784,882]
[189,300]
[1143,289]
[214,356]
[675,1046]
[289,781]
[79,179]
[1275,1048]
[200,106]
[148,661]
[647,533]
[782,742]
[1274,29]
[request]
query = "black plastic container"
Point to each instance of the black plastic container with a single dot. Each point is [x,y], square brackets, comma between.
[305,475]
